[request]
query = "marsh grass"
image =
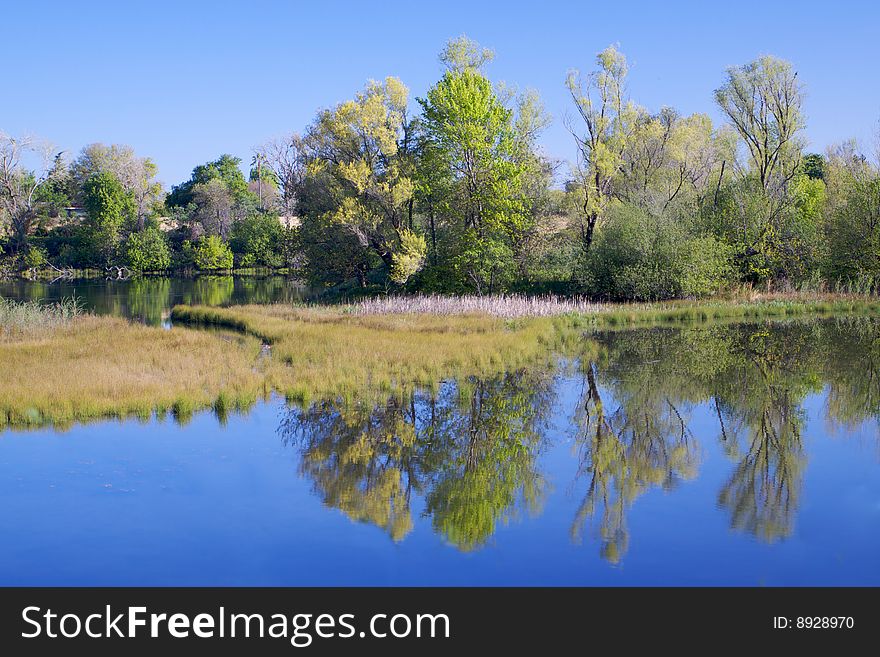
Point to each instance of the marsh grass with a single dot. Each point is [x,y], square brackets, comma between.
[24,318]
[98,367]
[84,367]
[326,353]
[507,306]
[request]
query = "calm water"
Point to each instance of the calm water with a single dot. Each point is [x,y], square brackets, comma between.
[150,298]
[740,455]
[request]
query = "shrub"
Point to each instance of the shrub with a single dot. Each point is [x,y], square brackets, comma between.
[147,251]
[212,253]
[637,256]
[256,240]
[35,257]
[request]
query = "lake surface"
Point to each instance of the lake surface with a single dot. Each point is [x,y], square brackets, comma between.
[149,299]
[736,454]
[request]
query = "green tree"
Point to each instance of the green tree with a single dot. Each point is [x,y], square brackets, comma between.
[110,211]
[763,102]
[226,169]
[852,227]
[256,241]
[602,104]
[147,251]
[483,213]
[212,253]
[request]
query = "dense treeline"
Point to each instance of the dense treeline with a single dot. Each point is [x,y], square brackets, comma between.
[452,193]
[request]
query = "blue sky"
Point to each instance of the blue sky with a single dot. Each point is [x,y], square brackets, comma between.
[184,82]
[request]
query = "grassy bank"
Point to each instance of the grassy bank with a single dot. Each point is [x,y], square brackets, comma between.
[320,352]
[94,367]
[62,367]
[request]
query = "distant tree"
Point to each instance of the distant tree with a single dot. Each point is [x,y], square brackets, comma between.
[213,207]
[135,174]
[814,166]
[256,241]
[211,253]
[26,164]
[226,169]
[284,158]
[147,251]
[110,211]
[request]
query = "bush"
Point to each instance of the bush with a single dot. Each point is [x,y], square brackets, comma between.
[212,253]
[256,241]
[35,258]
[147,251]
[641,257]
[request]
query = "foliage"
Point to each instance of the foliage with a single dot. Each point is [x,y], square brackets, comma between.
[110,210]
[255,241]
[147,251]
[211,253]
[641,257]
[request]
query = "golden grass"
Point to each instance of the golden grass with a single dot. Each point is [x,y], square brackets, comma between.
[323,352]
[107,367]
[95,367]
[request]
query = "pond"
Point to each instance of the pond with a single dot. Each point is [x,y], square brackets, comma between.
[149,299]
[737,454]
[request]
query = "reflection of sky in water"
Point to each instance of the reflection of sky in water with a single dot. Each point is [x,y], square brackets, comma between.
[156,503]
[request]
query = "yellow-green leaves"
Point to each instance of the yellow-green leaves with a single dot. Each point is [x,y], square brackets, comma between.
[409,258]
[359,143]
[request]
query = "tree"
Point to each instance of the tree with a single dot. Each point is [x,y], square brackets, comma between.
[110,210]
[284,157]
[211,253]
[462,53]
[762,100]
[226,169]
[853,216]
[364,147]
[607,114]
[255,240]
[147,251]
[135,174]
[476,183]
[213,206]
[19,200]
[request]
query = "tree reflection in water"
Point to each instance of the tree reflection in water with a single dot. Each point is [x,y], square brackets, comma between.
[469,449]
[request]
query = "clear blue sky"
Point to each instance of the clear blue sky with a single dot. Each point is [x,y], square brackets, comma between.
[183,82]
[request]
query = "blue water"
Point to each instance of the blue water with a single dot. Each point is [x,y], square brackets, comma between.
[211,503]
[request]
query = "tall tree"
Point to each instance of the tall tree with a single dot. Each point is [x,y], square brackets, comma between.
[480,160]
[135,174]
[365,146]
[601,102]
[763,102]
[110,210]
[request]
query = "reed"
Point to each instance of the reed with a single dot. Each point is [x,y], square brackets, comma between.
[24,318]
